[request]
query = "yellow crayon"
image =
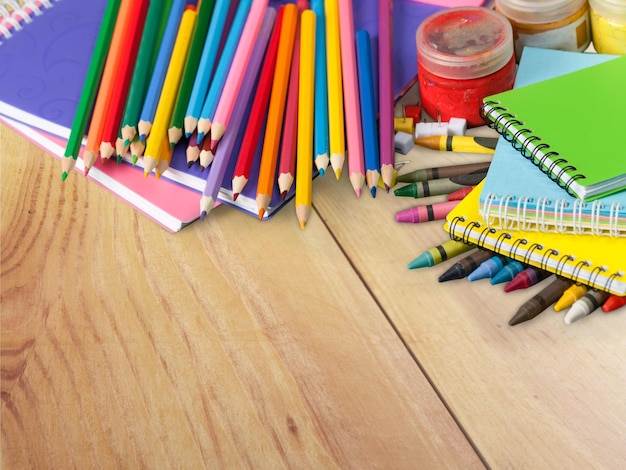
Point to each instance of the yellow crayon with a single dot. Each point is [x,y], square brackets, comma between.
[571,295]
[459,143]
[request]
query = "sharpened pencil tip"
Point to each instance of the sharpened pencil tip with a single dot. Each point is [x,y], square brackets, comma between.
[134,160]
[283,195]
[64,176]
[200,137]
[302,224]
[337,174]
[202,215]
[387,188]
[373,192]
[261,213]
[119,159]
[235,196]
[321,171]
[142,138]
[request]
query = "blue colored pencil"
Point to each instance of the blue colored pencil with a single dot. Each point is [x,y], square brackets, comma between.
[234,133]
[223,66]
[321,150]
[368,110]
[160,68]
[210,52]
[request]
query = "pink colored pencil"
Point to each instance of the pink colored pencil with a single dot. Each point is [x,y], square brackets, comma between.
[237,70]
[352,103]
[385,95]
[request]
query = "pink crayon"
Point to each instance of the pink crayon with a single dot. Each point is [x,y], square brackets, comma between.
[426,213]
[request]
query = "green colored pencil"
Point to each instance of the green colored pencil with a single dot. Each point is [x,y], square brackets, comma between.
[143,69]
[90,87]
[175,131]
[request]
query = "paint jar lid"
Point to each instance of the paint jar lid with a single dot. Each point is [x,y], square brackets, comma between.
[538,12]
[614,9]
[464,42]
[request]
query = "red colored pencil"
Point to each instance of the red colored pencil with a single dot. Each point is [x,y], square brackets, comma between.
[124,73]
[258,111]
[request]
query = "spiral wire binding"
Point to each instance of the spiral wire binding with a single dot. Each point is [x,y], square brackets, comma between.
[507,124]
[519,249]
[14,14]
[556,216]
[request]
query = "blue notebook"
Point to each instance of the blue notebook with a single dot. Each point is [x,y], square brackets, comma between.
[516,195]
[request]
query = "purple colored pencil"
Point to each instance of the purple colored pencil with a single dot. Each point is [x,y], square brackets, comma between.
[386,95]
[224,151]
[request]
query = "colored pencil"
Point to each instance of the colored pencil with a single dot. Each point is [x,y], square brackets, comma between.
[368,110]
[306,115]
[193,149]
[287,156]
[90,88]
[225,151]
[223,67]
[124,73]
[167,99]
[146,56]
[205,67]
[258,112]
[386,94]
[107,82]
[206,154]
[237,70]
[276,111]
[352,102]
[155,86]
[335,90]
[321,89]
[175,131]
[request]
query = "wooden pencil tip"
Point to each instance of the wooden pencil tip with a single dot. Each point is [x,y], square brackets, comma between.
[302,224]
[321,171]
[235,196]
[64,176]
[202,215]
[338,174]
[283,195]
[261,213]
[373,191]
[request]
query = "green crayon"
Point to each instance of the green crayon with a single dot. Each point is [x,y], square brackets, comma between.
[440,253]
[439,186]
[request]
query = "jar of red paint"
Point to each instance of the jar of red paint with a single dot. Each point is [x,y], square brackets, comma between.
[463,55]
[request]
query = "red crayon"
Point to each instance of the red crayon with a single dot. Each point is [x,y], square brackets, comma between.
[528,277]
[613,303]
[426,212]
[460,194]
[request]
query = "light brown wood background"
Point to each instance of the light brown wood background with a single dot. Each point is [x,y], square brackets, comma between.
[245,344]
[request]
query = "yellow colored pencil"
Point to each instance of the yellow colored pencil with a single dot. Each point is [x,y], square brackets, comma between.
[306,97]
[165,107]
[269,154]
[335,90]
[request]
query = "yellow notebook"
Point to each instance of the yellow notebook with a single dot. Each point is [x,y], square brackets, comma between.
[596,261]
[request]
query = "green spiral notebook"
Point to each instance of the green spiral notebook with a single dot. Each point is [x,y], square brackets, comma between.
[572,127]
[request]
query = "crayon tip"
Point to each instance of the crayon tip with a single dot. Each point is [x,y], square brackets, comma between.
[235,196]
[261,213]
[422,261]
[455,272]
[64,176]
[409,190]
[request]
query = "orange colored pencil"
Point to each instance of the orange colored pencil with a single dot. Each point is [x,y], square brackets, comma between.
[98,118]
[122,82]
[269,155]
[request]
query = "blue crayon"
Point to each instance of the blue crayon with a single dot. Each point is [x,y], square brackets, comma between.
[507,273]
[488,268]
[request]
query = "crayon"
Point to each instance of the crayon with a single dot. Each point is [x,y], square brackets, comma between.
[507,273]
[426,212]
[459,143]
[442,172]
[440,253]
[571,295]
[460,194]
[465,266]
[585,306]
[538,303]
[528,277]
[439,186]
[613,303]
[488,268]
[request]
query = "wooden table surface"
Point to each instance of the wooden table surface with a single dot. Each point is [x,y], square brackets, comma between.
[240,343]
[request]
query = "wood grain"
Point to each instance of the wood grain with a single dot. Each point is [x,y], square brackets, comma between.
[234,343]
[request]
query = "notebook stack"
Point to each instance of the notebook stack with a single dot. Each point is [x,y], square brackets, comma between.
[554,197]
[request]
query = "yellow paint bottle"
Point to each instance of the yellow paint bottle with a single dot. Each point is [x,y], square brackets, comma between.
[608,26]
